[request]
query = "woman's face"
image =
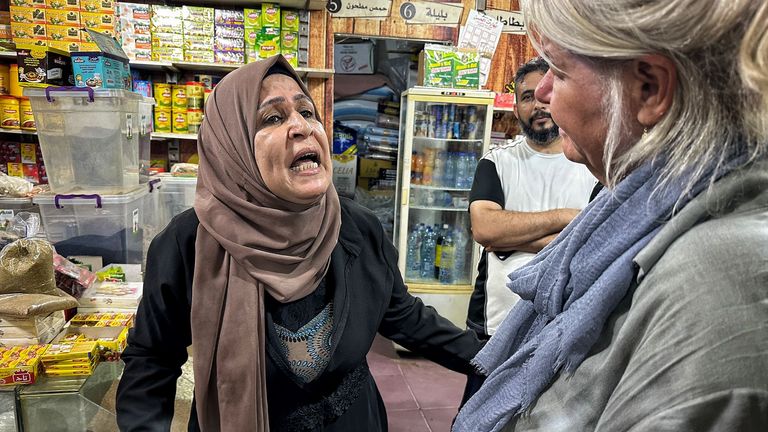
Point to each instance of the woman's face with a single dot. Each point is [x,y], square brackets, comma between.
[290,145]
[575,97]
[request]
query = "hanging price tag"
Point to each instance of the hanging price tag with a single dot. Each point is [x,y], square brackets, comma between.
[359,8]
[421,12]
[513,21]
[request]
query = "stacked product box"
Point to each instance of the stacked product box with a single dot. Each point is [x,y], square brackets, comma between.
[106,66]
[229,43]
[252,19]
[6,36]
[70,358]
[97,15]
[167,33]
[33,330]
[268,41]
[198,34]
[28,22]
[289,36]
[20,365]
[23,160]
[133,25]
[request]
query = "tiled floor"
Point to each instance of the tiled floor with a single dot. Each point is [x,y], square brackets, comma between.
[420,396]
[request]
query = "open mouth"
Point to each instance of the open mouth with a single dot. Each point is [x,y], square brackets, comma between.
[305,161]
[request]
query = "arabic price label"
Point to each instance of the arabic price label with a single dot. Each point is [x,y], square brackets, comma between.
[359,8]
[432,13]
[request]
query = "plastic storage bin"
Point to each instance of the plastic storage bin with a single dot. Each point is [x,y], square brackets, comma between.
[10,207]
[152,216]
[176,195]
[93,140]
[109,226]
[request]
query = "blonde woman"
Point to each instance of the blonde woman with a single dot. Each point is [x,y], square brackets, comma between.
[650,311]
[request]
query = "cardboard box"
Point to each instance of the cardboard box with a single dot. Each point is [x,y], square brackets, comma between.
[28,15]
[370,167]
[252,18]
[289,40]
[344,174]
[98,20]
[29,3]
[20,365]
[62,17]
[97,6]
[105,68]
[64,33]
[28,31]
[466,69]
[43,66]
[436,66]
[111,341]
[65,46]
[290,20]
[353,58]
[70,5]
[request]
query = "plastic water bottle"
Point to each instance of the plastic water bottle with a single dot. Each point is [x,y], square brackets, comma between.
[449,173]
[471,167]
[460,253]
[461,171]
[412,263]
[427,254]
[447,260]
[438,172]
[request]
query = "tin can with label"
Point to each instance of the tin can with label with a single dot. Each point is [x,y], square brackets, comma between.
[25,114]
[194,120]
[179,97]
[194,102]
[9,112]
[163,95]
[162,120]
[195,89]
[180,124]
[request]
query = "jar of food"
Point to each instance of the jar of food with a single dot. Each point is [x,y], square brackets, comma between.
[179,97]
[194,120]
[25,114]
[163,95]
[162,120]
[9,112]
[13,78]
[180,124]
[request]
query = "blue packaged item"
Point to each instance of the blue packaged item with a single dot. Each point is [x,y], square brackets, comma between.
[344,140]
[106,68]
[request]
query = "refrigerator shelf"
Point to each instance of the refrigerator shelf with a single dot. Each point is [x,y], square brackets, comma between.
[450,209]
[437,288]
[440,140]
[440,188]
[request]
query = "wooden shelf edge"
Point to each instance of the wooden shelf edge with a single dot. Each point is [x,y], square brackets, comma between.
[164,135]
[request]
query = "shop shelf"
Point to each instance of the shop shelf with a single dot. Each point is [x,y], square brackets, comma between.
[163,135]
[440,188]
[17,131]
[430,139]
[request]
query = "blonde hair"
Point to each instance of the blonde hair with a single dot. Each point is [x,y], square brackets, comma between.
[714,109]
[754,65]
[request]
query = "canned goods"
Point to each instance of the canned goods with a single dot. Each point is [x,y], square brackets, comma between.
[195,89]
[9,112]
[5,79]
[205,97]
[179,97]
[163,95]
[26,115]
[162,120]
[194,120]
[180,124]
[194,102]
[14,87]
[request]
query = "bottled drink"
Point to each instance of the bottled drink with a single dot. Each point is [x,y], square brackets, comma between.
[417,168]
[461,171]
[449,174]
[412,262]
[441,233]
[427,254]
[471,166]
[460,254]
[438,172]
[447,260]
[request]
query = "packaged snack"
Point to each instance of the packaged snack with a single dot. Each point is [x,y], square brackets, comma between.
[229,44]
[229,57]
[289,40]
[28,15]
[252,18]
[62,17]
[229,16]
[197,13]
[290,20]
[198,56]
[230,31]
[270,15]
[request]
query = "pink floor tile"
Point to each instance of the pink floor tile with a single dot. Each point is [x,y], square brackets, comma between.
[407,421]
[395,392]
[440,419]
[381,365]
[433,386]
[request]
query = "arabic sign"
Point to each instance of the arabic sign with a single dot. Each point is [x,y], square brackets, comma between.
[423,12]
[359,8]
[513,21]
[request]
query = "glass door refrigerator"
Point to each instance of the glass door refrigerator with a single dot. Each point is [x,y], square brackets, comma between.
[445,133]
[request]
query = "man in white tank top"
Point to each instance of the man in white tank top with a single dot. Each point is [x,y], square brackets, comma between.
[524,193]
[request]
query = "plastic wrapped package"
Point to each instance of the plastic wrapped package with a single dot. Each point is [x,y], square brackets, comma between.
[14,186]
[71,278]
[25,305]
[184,170]
[26,266]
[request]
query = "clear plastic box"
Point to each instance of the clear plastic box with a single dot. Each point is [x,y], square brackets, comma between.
[176,195]
[10,207]
[110,226]
[93,140]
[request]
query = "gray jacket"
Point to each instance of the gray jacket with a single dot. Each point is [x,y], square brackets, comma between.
[687,349]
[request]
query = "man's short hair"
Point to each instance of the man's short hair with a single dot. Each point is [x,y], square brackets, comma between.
[536,64]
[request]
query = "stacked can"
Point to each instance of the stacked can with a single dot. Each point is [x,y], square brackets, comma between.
[163,106]
[195,95]
[179,112]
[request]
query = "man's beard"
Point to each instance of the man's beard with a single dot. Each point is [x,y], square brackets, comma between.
[543,137]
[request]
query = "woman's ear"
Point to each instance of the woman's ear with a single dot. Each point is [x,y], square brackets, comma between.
[655,80]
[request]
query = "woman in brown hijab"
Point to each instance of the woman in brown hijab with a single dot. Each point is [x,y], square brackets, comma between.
[279,286]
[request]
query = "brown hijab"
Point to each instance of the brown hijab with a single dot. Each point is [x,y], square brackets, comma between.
[248,241]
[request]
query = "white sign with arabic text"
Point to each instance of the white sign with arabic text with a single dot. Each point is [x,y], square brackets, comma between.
[423,12]
[513,21]
[359,8]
